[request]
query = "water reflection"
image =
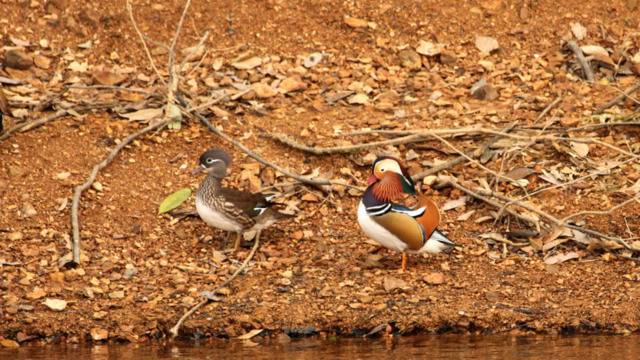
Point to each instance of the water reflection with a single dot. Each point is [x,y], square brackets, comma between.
[428,347]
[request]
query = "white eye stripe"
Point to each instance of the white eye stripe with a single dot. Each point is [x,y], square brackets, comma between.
[211,161]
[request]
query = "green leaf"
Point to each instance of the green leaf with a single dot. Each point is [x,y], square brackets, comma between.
[174,200]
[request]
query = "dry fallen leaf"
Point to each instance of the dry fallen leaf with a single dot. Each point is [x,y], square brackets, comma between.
[98,334]
[561,257]
[579,31]
[453,204]
[143,115]
[581,149]
[246,64]
[390,283]
[434,278]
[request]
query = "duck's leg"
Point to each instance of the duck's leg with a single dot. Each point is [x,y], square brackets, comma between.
[404,263]
[236,245]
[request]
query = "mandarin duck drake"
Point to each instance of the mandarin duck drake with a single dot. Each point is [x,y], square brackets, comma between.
[230,209]
[395,226]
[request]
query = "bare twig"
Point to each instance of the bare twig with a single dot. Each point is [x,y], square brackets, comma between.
[176,328]
[584,63]
[174,76]
[618,99]
[109,87]
[342,149]
[144,43]
[92,177]
[10,263]
[33,124]
[604,212]
[548,108]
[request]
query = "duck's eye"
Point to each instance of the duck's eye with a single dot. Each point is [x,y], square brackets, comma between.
[209,161]
[381,169]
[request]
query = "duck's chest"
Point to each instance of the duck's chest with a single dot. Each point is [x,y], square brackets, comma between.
[215,218]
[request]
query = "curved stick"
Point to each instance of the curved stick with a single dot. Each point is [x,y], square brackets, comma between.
[77,192]
[176,328]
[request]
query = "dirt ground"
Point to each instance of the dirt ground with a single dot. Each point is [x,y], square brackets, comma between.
[315,273]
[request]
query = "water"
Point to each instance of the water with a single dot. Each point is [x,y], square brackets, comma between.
[427,347]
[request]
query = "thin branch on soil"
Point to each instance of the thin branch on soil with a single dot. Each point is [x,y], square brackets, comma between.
[144,43]
[174,76]
[548,108]
[342,149]
[460,159]
[33,124]
[615,101]
[604,212]
[92,177]
[176,328]
[584,63]
[110,87]
[10,263]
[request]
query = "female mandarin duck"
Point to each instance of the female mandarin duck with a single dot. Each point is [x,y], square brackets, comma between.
[395,226]
[230,209]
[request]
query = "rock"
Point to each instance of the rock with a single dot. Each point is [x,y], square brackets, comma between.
[483,91]
[291,84]
[486,44]
[355,22]
[15,236]
[99,315]
[55,304]
[15,171]
[9,344]
[97,186]
[116,295]
[427,48]
[434,278]
[390,283]
[263,90]
[129,272]
[17,59]
[28,210]
[99,334]
[448,58]
[63,175]
[410,59]
[312,60]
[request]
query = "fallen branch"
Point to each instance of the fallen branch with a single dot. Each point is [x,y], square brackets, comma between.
[342,149]
[176,328]
[77,193]
[547,109]
[584,63]
[461,158]
[34,124]
[10,263]
[615,101]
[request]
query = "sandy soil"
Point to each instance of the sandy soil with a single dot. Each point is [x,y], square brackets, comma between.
[315,273]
